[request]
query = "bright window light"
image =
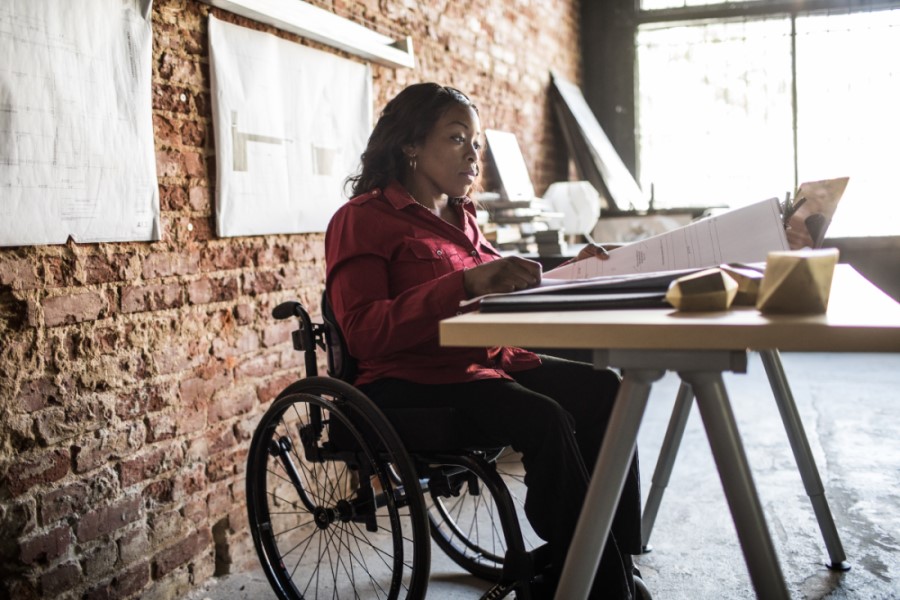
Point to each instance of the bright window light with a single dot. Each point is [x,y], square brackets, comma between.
[716,112]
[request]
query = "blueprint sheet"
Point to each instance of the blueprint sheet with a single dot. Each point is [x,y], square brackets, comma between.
[744,234]
[290,124]
[76,133]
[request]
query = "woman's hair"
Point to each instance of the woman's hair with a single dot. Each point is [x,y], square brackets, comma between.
[406,120]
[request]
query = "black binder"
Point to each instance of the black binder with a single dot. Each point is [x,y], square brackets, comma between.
[581,301]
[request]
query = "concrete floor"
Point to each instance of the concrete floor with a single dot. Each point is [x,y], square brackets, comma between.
[849,407]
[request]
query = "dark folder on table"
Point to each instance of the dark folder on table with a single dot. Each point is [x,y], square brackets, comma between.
[580,301]
[635,291]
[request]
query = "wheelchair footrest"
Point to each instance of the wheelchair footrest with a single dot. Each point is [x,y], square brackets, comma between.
[503,590]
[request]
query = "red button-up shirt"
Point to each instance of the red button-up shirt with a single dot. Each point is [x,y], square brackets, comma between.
[394,270]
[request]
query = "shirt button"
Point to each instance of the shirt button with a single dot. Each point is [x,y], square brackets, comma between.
[375,192]
[473,253]
[439,252]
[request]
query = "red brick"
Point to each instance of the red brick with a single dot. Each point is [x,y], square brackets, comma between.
[261,282]
[150,464]
[219,501]
[191,481]
[180,553]
[220,439]
[74,308]
[245,342]
[99,268]
[198,391]
[58,271]
[18,273]
[195,511]
[108,518]
[159,492]
[259,366]
[97,449]
[207,290]
[230,403]
[166,264]
[278,332]
[47,546]
[62,578]
[151,297]
[194,165]
[200,198]
[178,69]
[98,561]
[144,399]
[223,258]
[133,545]
[192,420]
[193,133]
[125,584]
[35,394]
[65,501]
[44,467]
[166,133]
[269,390]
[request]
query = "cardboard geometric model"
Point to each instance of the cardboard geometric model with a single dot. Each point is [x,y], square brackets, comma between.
[748,281]
[797,281]
[708,290]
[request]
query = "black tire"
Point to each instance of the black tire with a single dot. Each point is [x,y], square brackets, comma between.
[319,529]
[467,526]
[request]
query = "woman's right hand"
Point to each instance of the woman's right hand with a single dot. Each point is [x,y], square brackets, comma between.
[504,275]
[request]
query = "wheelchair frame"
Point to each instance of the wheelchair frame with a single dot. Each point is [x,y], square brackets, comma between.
[338,505]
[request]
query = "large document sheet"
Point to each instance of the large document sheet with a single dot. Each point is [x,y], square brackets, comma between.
[76,133]
[290,125]
[744,234]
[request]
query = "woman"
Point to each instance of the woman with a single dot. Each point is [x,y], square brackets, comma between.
[401,255]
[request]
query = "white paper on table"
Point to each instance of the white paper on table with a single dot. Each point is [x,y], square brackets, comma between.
[76,132]
[742,235]
[290,125]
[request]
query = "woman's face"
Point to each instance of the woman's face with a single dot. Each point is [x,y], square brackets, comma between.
[447,161]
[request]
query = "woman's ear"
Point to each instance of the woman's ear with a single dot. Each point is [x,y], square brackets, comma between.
[410,150]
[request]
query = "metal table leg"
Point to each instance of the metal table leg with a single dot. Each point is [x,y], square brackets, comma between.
[607,482]
[667,453]
[737,482]
[806,464]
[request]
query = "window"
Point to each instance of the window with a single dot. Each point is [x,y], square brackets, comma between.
[731,110]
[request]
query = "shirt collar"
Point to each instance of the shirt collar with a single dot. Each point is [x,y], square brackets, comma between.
[400,198]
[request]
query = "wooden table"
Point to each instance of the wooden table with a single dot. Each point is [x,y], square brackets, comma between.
[645,343]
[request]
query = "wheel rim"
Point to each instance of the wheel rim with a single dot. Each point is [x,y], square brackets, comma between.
[467,526]
[320,531]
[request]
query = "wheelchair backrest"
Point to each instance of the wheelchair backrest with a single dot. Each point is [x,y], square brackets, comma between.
[340,364]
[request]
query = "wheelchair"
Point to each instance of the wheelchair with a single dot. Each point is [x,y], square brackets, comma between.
[344,498]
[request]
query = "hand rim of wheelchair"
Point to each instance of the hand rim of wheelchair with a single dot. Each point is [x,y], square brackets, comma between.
[356,414]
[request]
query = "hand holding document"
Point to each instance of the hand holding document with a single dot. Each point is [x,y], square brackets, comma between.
[815,203]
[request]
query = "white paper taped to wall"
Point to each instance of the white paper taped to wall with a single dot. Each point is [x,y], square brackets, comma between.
[76,133]
[291,123]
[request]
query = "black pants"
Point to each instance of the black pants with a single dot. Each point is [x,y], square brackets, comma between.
[555,415]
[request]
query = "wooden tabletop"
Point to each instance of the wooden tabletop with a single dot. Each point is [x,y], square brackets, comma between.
[860,318]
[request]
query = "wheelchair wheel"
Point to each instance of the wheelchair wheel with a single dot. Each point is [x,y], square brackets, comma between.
[465,523]
[334,503]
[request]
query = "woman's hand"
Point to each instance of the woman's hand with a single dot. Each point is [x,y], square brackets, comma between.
[504,275]
[600,251]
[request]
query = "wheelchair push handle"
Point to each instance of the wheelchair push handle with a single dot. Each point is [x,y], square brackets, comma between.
[307,337]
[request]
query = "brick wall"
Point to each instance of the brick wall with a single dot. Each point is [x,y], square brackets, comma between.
[132,375]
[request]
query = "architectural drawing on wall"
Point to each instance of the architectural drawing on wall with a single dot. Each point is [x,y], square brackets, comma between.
[76,133]
[291,123]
